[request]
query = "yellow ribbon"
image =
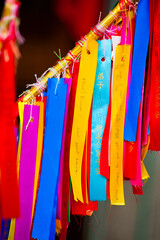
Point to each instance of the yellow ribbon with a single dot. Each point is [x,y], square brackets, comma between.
[85,85]
[21,110]
[12,229]
[119,90]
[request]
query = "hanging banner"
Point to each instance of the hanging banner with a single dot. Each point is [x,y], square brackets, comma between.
[141,40]
[27,170]
[120,80]
[47,194]
[85,85]
[99,114]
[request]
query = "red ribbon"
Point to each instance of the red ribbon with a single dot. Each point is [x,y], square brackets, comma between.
[155,78]
[8,158]
[104,158]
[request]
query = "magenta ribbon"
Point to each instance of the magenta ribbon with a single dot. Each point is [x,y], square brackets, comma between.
[27,171]
[138,180]
[128,41]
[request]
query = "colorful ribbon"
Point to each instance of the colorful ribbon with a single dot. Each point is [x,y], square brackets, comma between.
[120,81]
[85,85]
[99,114]
[39,153]
[27,170]
[8,164]
[105,148]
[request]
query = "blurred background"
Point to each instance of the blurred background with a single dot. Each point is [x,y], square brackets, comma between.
[47,26]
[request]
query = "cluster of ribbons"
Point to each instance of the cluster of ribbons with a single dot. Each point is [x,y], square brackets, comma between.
[88,133]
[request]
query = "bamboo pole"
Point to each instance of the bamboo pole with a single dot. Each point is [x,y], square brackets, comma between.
[102,26]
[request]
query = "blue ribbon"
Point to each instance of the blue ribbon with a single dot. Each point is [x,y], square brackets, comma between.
[45,213]
[141,41]
[99,114]
[5,226]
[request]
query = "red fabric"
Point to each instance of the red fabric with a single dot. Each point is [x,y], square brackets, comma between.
[132,151]
[137,190]
[130,167]
[147,96]
[155,77]
[66,175]
[79,15]
[8,158]
[104,158]
[108,189]
[79,208]
[146,105]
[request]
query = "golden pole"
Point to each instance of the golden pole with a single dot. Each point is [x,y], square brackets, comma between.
[102,26]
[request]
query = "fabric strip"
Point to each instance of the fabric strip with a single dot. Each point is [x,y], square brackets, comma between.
[85,86]
[99,114]
[39,153]
[27,170]
[120,81]
[10,206]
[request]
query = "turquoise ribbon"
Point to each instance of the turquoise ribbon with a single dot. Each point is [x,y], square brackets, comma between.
[141,41]
[45,213]
[99,114]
